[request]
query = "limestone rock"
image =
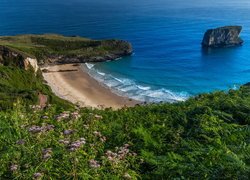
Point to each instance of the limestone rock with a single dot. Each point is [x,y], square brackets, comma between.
[226,36]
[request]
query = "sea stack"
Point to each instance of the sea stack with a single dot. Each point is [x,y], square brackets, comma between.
[226,36]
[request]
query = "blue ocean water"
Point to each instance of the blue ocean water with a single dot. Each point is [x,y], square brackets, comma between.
[168,63]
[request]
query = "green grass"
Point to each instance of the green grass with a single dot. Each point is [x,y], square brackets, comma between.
[16,83]
[47,46]
[206,137]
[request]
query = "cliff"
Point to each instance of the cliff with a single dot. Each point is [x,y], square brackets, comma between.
[56,49]
[222,37]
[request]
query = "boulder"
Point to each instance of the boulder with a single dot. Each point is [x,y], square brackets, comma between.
[226,36]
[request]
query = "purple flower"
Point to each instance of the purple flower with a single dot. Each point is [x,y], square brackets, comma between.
[94,164]
[77,144]
[20,142]
[35,129]
[68,132]
[37,175]
[47,153]
[13,167]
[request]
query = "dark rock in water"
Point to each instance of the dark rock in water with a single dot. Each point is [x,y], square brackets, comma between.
[247,84]
[223,37]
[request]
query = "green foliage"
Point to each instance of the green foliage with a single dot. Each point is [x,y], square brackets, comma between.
[206,137]
[16,83]
[49,46]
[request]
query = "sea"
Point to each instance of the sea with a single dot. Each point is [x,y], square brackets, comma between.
[168,63]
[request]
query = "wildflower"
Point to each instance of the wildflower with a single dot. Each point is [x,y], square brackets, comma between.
[86,126]
[97,133]
[49,127]
[127,176]
[47,153]
[68,132]
[65,142]
[20,142]
[77,144]
[103,139]
[45,117]
[13,167]
[37,175]
[75,115]
[62,116]
[94,164]
[35,129]
[98,116]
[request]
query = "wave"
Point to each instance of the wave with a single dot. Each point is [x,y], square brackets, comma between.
[89,65]
[130,88]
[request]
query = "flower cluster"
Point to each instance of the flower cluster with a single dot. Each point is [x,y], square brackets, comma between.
[62,116]
[37,175]
[68,132]
[127,176]
[73,146]
[20,142]
[77,144]
[67,115]
[120,154]
[47,153]
[13,167]
[35,107]
[75,115]
[98,117]
[94,164]
[64,141]
[37,129]
[99,135]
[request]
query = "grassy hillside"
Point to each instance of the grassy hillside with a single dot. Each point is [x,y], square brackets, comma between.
[206,137]
[53,47]
[18,84]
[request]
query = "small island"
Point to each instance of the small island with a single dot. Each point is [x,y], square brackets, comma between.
[226,36]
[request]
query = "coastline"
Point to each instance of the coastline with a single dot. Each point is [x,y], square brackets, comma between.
[72,83]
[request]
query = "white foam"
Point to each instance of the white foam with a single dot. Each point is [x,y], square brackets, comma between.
[89,65]
[101,73]
[128,87]
[143,87]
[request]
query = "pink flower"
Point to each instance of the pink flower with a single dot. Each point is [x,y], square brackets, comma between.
[94,164]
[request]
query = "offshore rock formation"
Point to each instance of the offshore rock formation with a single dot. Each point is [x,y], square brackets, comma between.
[222,37]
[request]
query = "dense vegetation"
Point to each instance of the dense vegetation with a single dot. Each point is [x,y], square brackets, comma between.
[206,137]
[16,83]
[52,46]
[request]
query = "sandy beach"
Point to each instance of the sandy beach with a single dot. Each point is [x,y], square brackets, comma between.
[71,83]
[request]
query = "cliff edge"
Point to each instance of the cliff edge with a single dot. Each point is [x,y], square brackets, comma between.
[34,50]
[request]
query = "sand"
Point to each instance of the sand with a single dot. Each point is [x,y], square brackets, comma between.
[72,83]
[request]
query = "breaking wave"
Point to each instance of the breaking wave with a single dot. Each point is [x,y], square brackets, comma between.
[130,88]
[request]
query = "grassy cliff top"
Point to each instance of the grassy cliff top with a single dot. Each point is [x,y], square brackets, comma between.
[52,46]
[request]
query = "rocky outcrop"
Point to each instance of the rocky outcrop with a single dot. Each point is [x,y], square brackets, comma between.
[113,50]
[31,62]
[222,37]
[9,57]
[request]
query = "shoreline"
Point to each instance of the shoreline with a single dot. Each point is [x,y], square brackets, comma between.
[71,82]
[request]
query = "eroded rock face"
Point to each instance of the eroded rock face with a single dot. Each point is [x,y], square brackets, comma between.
[226,36]
[31,62]
[13,58]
